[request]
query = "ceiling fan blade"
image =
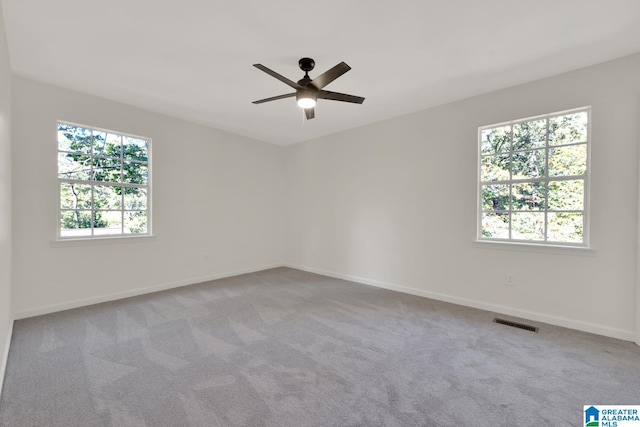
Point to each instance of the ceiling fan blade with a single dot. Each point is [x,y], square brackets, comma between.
[328,76]
[275,98]
[282,78]
[335,96]
[310,113]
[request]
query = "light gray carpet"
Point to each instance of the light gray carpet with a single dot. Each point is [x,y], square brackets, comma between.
[288,348]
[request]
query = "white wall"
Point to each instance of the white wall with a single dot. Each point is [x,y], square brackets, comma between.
[217,204]
[5,201]
[394,204]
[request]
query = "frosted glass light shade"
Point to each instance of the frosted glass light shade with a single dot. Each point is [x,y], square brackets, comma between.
[306,103]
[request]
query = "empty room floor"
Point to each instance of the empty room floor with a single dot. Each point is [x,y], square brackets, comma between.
[283,347]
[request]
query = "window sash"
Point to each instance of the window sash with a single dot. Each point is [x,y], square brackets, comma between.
[545,179]
[127,214]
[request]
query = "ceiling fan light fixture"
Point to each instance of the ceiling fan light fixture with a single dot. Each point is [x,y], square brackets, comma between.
[306,103]
[306,99]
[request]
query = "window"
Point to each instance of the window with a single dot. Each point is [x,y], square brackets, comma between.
[103,183]
[534,178]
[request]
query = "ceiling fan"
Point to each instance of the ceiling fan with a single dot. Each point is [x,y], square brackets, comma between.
[308,90]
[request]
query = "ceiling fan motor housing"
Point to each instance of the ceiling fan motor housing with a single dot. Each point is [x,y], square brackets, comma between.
[308,90]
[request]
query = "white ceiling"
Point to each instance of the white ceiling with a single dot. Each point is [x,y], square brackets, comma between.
[192,59]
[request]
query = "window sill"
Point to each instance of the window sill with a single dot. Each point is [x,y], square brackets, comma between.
[97,241]
[536,248]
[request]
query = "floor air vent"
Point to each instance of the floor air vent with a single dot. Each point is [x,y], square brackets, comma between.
[516,325]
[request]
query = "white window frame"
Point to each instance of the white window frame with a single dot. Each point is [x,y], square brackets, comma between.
[147,186]
[587,178]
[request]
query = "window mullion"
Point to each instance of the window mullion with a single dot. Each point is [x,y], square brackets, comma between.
[91,178]
[546,184]
[122,189]
[511,182]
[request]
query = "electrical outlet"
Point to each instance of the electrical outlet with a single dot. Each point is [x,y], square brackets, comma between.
[509,280]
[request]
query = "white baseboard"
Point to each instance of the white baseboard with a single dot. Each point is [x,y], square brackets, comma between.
[495,308]
[5,357]
[134,292]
